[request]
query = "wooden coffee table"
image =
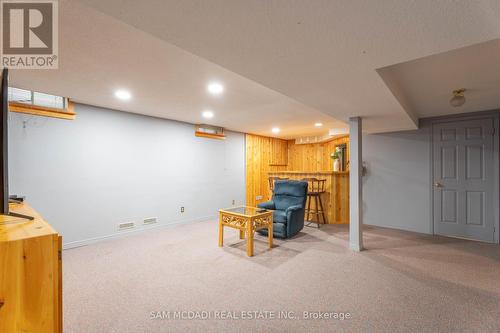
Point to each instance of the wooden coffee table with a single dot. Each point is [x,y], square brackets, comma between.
[247,220]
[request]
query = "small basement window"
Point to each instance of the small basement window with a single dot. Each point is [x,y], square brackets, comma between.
[41,104]
[208,131]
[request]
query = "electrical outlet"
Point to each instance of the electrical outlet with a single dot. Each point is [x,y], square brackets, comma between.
[150,220]
[126,225]
[259,197]
[234,202]
[182,209]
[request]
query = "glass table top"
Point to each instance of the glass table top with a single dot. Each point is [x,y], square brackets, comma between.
[246,210]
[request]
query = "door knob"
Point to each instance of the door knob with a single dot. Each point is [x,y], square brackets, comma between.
[437,184]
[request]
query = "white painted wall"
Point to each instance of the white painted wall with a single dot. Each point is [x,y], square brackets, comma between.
[108,167]
[396,187]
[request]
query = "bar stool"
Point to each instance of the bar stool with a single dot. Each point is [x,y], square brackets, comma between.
[272,180]
[316,187]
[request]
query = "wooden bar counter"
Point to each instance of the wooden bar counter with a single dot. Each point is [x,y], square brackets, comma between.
[335,200]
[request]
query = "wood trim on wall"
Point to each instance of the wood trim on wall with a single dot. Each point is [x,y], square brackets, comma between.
[210,135]
[68,113]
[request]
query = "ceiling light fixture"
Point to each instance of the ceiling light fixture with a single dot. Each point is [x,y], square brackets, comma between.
[215,88]
[207,114]
[275,130]
[318,124]
[458,98]
[124,95]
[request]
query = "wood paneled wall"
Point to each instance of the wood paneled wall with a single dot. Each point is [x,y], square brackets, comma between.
[260,152]
[264,154]
[278,154]
[314,156]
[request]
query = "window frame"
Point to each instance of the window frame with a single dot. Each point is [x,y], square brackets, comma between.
[68,112]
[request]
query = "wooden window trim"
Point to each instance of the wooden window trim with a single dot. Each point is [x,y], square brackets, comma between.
[209,135]
[199,132]
[68,113]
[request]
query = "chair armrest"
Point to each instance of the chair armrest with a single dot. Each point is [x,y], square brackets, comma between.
[267,205]
[293,208]
[295,219]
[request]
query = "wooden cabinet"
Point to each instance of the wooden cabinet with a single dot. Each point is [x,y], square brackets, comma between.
[30,274]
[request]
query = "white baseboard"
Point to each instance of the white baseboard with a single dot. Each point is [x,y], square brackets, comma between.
[84,242]
[403,228]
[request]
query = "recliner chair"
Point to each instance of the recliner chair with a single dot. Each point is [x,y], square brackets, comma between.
[288,202]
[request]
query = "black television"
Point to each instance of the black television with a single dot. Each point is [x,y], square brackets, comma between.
[4,151]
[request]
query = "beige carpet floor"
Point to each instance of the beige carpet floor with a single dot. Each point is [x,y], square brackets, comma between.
[404,282]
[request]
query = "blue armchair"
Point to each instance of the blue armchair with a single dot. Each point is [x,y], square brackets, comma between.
[288,203]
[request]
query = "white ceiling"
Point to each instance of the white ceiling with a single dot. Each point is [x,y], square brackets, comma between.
[99,54]
[322,53]
[425,85]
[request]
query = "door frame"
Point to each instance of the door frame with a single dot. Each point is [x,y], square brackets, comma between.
[496,161]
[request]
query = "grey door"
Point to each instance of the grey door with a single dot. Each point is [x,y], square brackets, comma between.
[464,179]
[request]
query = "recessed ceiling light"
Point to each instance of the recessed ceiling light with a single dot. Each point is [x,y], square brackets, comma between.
[275,130]
[123,95]
[215,88]
[318,124]
[207,114]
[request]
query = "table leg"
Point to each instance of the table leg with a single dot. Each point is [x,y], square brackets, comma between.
[249,237]
[270,234]
[221,230]
[242,234]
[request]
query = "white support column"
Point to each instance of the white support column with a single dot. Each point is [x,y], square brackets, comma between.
[355,185]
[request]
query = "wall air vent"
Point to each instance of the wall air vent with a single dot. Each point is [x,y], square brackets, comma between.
[150,220]
[126,225]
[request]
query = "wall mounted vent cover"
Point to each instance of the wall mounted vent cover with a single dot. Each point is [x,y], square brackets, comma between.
[126,225]
[150,220]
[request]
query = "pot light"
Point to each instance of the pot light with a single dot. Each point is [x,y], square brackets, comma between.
[215,88]
[458,98]
[124,95]
[207,114]
[318,124]
[275,130]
